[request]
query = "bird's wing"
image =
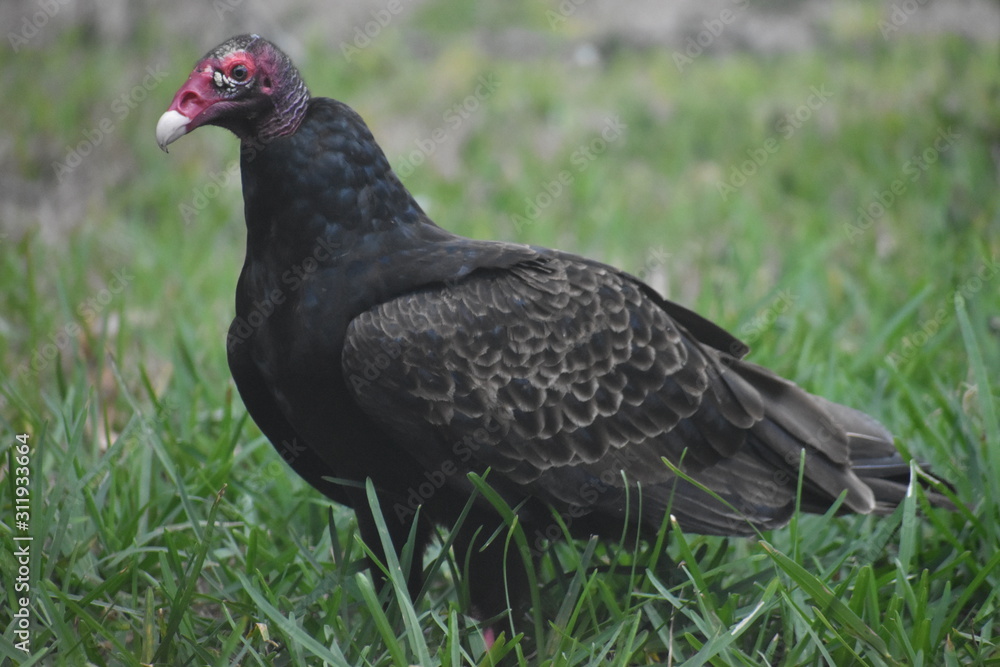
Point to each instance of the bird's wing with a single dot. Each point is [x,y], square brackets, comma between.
[570,380]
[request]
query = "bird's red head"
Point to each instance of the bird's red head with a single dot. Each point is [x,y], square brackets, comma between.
[246,85]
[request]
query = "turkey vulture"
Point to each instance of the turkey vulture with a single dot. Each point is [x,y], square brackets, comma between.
[369,343]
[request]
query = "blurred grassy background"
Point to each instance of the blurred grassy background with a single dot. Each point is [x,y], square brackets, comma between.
[743,163]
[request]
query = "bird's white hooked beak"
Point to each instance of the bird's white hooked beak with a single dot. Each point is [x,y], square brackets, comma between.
[172,126]
[193,106]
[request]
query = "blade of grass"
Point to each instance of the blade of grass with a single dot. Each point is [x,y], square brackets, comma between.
[826,600]
[182,602]
[398,580]
[291,629]
[511,519]
[382,624]
[984,394]
[723,640]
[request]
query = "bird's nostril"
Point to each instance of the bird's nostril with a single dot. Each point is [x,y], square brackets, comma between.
[190,104]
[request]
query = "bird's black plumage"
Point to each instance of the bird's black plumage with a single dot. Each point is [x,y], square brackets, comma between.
[371,344]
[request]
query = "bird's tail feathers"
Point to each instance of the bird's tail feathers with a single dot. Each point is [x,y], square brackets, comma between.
[845,448]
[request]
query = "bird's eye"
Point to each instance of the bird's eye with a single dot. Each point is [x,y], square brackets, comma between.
[239,73]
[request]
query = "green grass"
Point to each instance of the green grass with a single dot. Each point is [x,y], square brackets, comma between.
[167,530]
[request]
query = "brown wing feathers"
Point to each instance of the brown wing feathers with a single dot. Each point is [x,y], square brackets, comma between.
[585,375]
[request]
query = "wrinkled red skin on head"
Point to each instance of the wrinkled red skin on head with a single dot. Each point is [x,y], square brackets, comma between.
[199,95]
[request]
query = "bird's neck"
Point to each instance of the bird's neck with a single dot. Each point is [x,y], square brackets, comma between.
[329,180]
[290,105]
